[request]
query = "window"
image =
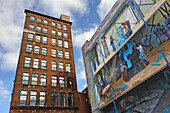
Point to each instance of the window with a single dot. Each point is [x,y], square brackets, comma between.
[30,37]
[54,99]
[59,33]
[61,82]
[34,80]
[60,43]
[65,35]
[42,99]
[32,19]
[54,81]
[43,80]
[33,98]
[37,49]
[44,51]
[66,44]
[68,68]
[70,100]
[53,52]
[35,63]
[27,62]
[67,55]
[53,24]
[45,30]
[45,22]
[64,27]
[23,98]
[53,65]
[38,28]
[31,27]
[61,66]
[39,20]
[69,82]
[53,41]
[59,26]
[62,99]
[53,32]
[29,48]
[37,38]
[60,53]
[45,40]
[44,64]
[25,78]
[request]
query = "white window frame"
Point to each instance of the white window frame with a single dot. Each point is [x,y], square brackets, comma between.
[37,38]
[60,43]
[60,54]
[53,41]
[65,35]
[53,52]
[66,44]
[30,37]
[59,33]
[29,48]
[44,39]
[53,66]
[44,51]
[43,64]
[67,54]
[36,49]
[68,67]
[36,63]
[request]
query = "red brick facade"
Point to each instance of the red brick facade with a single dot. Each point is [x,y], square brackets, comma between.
[18,86]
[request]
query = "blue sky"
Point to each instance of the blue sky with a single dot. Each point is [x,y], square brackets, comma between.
[86,16]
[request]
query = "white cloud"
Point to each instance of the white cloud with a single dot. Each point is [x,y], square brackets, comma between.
[104,7]
[67,7]
[11,27]
[4,93]
[80,36]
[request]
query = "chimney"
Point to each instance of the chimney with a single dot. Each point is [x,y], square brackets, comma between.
[65,17]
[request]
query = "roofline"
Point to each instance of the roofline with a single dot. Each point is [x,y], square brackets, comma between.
[37,13]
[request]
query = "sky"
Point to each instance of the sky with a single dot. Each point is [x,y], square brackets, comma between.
[86,16]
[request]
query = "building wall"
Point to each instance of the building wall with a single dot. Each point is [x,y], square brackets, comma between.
[14,107]
[84,106]
[109,28]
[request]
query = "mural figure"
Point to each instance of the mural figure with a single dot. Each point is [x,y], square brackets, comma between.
[157,33]
[146,42]
[127,28]
[123,70]
[167,22]
[142,55]
[161,27]
[164,32]
[104,44]
[112,43]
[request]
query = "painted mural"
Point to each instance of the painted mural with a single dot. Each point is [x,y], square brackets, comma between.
[128,52]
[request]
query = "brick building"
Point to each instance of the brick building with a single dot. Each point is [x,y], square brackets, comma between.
[45,78]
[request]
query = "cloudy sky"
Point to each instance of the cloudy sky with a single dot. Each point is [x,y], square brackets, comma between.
[86,16]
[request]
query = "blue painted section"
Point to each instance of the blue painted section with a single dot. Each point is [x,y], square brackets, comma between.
[158,58]
[151,34]
[107,77]
[122,52]
[166,110]
[156,64]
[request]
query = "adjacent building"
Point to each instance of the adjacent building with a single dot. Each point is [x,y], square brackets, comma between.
[127,59]
[45,77]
